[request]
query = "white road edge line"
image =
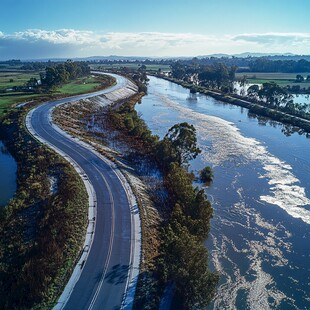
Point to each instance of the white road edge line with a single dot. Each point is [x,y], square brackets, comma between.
[135,255]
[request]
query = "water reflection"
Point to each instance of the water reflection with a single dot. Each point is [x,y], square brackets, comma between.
[7,175]
[286,129]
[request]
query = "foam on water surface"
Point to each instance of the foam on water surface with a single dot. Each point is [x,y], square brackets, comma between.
[253,245]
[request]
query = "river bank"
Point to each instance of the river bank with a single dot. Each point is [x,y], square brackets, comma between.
[253,107]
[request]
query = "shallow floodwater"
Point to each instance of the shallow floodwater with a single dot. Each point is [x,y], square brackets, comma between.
[7,176]
[259,240]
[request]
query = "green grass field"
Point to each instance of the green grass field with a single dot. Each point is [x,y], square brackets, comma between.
[82,85]
[283,79]
[10,99]
[11,79]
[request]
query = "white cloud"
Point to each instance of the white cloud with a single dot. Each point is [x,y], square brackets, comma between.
[275,38]
[37,43]
[62,36]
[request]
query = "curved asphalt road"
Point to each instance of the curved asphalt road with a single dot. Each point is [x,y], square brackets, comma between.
[103,280]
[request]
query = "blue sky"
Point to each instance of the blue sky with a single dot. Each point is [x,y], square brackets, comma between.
[66,28]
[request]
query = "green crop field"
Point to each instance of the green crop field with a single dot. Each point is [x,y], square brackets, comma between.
[283,79]
[9,79]
[12,99]
[270,75]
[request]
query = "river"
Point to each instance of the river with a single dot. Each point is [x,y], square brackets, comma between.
[7,176]
[259,240]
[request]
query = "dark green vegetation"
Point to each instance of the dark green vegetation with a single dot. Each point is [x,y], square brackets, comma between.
[273,96]
[11,64]
[59,74]
[179,145]
[183,256]
[271,93]
[266,65]
[42,228]
[206,174]
[215,76]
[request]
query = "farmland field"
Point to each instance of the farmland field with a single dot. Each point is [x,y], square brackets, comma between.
[11,79]
[282,79]
[10,98]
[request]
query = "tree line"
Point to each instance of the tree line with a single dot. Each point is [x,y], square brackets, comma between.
[53,76]
[214,76]
[289,66]
[184,259]
[56,75]
[276,97]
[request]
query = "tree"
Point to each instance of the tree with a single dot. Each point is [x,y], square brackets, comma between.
[183,142]
[253,91]
[206,174]
[32,82]
[142,68]
[178,70]
[185,262]
[274,95]
[299,78]
[56,75]
[179,185]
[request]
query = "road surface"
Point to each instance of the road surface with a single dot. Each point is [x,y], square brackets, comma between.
[103,279]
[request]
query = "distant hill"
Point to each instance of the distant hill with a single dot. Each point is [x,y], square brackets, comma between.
[248,54]
[271,56]
[245,55]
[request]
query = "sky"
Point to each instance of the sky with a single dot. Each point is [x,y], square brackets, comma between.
[34,29]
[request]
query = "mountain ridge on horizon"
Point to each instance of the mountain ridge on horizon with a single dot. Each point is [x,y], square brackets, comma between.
[143,58]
